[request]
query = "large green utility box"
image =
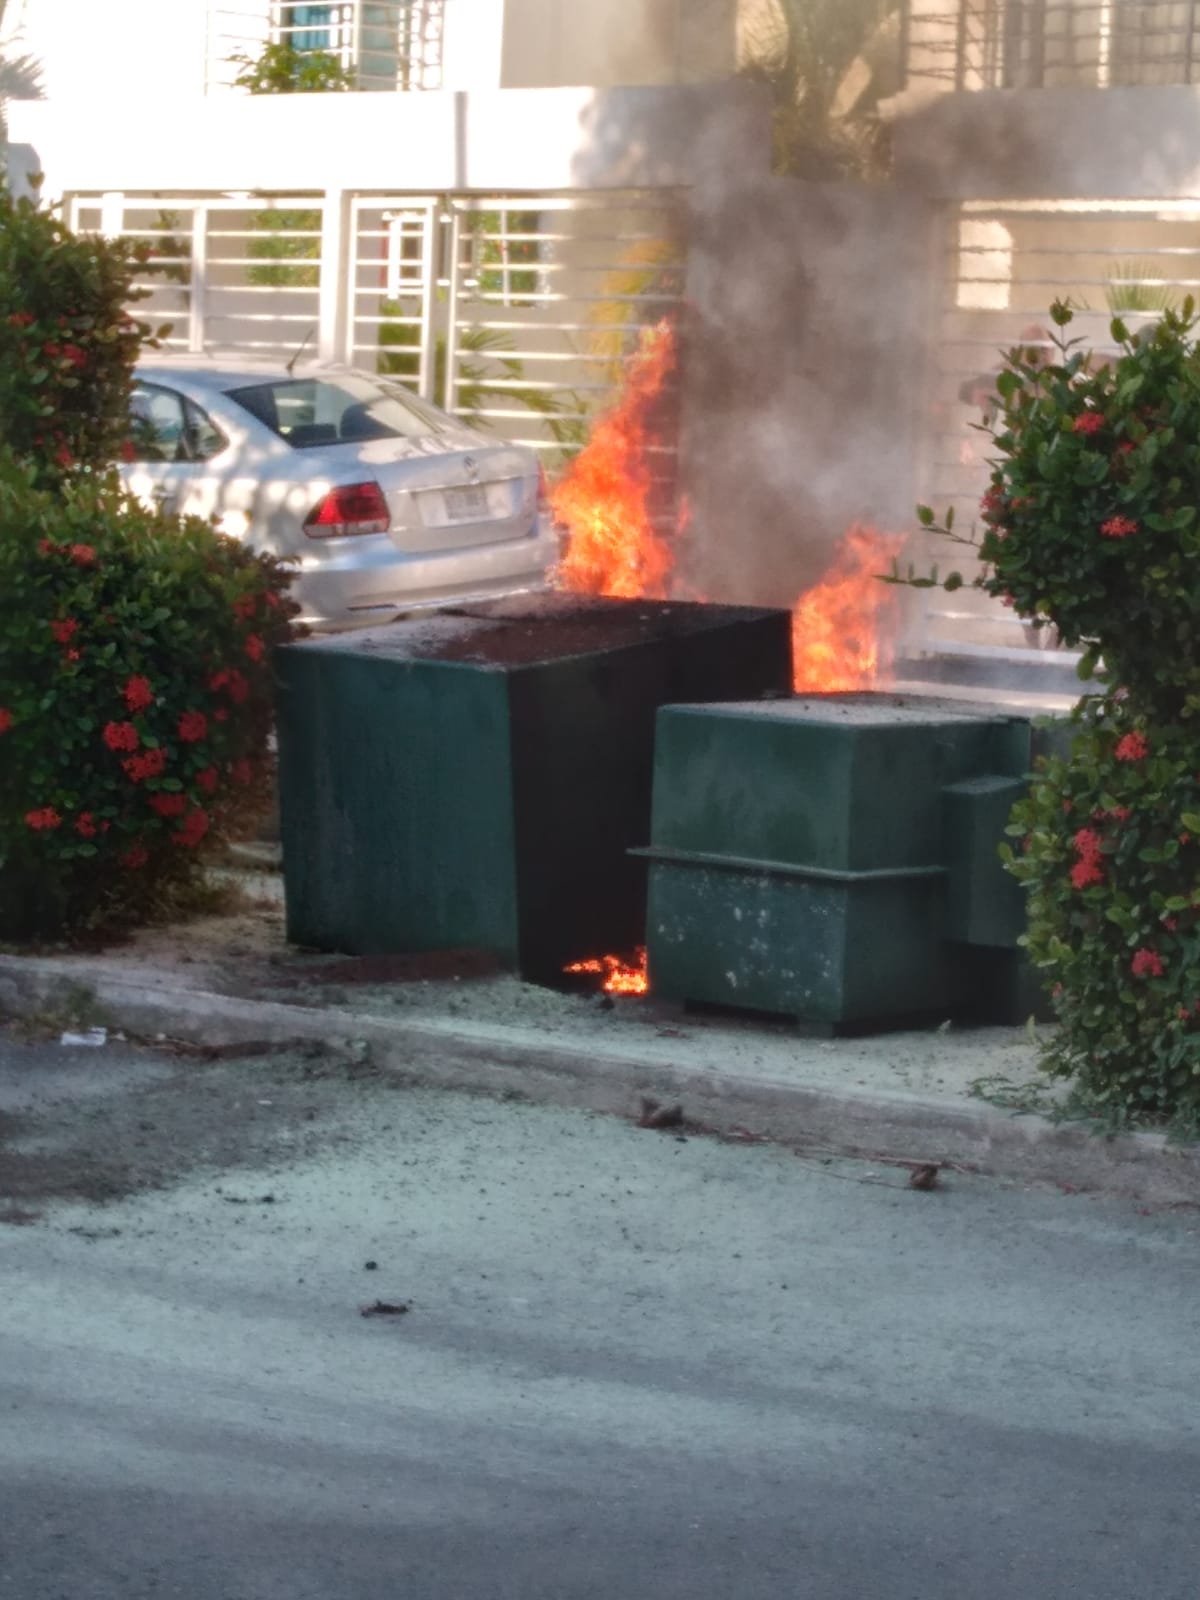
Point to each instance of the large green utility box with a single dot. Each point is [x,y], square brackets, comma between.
[834,859]
[477,778]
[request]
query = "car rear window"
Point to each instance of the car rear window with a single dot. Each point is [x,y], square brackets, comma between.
[311,412]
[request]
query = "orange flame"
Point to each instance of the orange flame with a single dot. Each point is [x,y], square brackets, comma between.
[844,628]
[603,498]
[620,977]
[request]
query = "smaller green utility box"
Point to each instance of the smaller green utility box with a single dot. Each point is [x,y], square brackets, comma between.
[834,859]
[478,777]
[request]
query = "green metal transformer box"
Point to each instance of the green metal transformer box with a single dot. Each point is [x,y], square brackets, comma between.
[834,859]
[477,778]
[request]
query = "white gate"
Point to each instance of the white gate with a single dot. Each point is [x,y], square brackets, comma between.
[1005,262]
[515,312]
[223,274]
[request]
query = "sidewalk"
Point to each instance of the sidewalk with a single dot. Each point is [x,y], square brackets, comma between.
[450,1021]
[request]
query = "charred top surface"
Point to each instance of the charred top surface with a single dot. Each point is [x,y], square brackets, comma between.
[865,709]
[530,629]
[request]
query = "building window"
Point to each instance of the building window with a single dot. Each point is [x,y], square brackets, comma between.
[304,26]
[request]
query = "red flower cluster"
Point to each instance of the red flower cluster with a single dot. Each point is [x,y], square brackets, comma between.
[6,719]
[992,505]
[1087,869]
[64,631]
[150,764]
[1088,422]
[83,555]
[85,825]
[1146,964]
[207,779]
[121,736]
[136,856]
[44,820]
[1118,527]
[245,606]
[1132,747]
[255,648]
[195,826]
[235,684]
[138,694]
[193,725]
[169,805]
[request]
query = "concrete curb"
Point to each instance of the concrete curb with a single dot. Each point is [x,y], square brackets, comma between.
[900,1127]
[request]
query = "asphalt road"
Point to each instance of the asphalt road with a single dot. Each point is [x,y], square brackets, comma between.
[633,1365]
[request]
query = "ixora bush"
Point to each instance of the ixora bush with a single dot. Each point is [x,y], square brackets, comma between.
[67,343]
[1107,845]
[1091,525]
[135,700]
[1090,519]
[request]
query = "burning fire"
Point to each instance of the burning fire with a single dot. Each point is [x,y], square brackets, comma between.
[604,496]
[843,628]
[619,976]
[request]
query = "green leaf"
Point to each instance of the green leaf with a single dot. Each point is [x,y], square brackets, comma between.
[925,516]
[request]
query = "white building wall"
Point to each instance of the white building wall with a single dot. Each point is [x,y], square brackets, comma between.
[473,44]
[611,42]
[108,52]
[540,140]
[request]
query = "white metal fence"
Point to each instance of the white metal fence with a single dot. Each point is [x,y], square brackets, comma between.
[1004,263]
[223,274]
[377,44]
[1014,44]
[514,311]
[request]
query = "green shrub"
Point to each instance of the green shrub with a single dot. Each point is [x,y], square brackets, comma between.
[135,700]
[283,69]
[1109,852]
[1090,519]
[67,343]
[1091,524]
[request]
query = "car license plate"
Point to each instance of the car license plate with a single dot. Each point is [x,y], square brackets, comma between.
[466,505]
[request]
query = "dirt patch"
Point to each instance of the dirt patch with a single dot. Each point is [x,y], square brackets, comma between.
[438,966]
[232,1115]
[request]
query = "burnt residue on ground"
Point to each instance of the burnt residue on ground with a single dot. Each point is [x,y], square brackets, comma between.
[99,1125]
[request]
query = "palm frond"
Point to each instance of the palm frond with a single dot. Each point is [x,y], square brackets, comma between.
[20,78]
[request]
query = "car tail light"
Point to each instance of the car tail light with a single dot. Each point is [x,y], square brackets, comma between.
[351,508]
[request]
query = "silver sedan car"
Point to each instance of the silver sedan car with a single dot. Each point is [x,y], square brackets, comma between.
[386,504]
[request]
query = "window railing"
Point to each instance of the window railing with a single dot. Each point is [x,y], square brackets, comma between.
[1023,44]
[378,44]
